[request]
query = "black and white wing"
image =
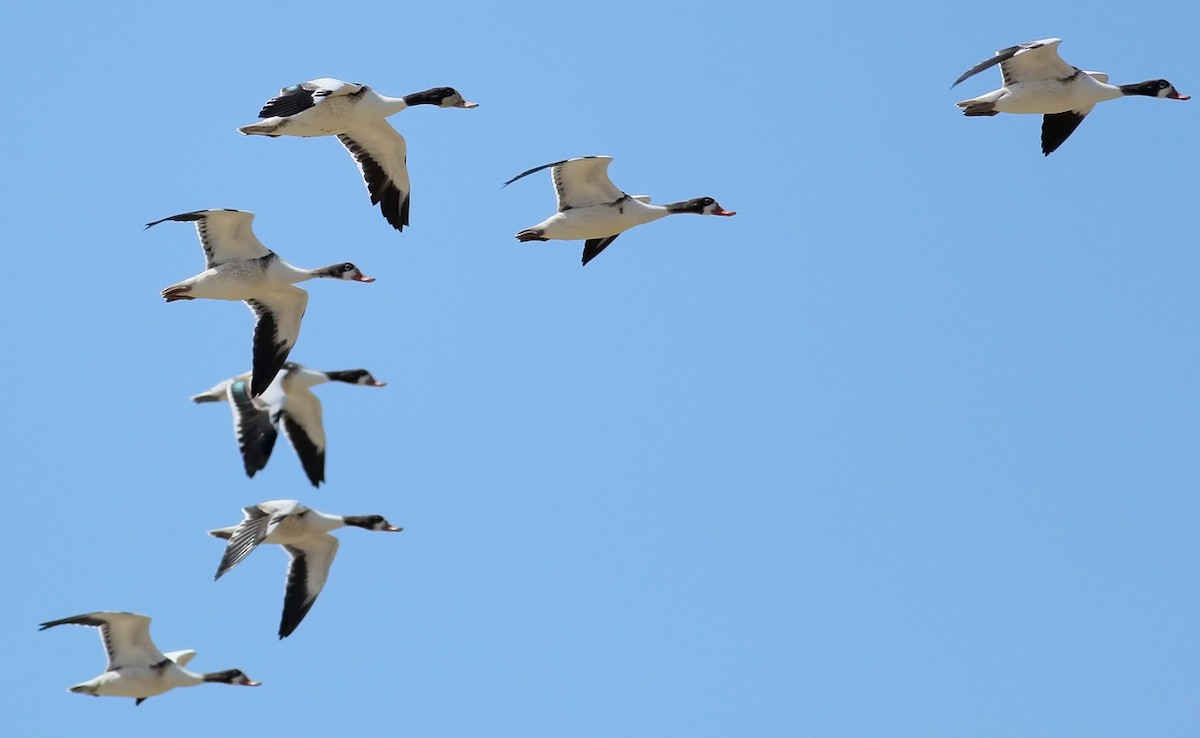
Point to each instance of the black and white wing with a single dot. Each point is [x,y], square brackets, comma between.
[1031,62]
[307,572]
[579,183]
[382,158]
[301,97]
[225,235]
[279,313]
[126,637]
[258,522]
[252,425]
[1057,127]
[593,246]
[302,423]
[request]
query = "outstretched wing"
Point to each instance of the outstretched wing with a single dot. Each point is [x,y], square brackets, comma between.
[225,235]
[593,246]
[252,425]
[1057,127]
[279,313]
[307,572]
[126,637]
[257,523]
[382,158]
[1036,60]
[579,182]
[301,420]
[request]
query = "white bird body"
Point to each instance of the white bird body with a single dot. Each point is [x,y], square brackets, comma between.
[243,280]
[304,534]
[136,668]
[340,111]
[598,221]
[139,681]
[1042,97]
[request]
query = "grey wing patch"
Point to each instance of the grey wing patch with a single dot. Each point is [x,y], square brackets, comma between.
[256,433]
[593,246]
[1058,127]
[249,533]
[1001,56]
[289,102]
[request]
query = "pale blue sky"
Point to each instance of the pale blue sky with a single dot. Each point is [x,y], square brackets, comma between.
[907,448]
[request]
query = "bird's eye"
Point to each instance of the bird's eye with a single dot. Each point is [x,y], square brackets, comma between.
[376,519]
[708,201]
[1164,84]
[347,267]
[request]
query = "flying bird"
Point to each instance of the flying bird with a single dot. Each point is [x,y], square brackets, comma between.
[1038,81]
[288,403]
[591,208]
[136,668]
[357,115]
[304,534]
[239,267]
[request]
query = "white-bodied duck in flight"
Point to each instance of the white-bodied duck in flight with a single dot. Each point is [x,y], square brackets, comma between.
[136,668]
[357,115]
[591,208]
[304,534]
[288,403]
[1038,81]
[239,267]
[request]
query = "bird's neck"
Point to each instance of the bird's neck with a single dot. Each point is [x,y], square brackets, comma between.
[644,212]
[305,378]
[340,376]
[676,208]
[389,105]
[1145,89]
[283,272]
[324,521]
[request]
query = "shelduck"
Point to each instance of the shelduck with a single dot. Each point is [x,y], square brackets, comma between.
[239,267]
[136,668]
[357,115]
[1038,81]
[590,207]
[304,534]
[288,403]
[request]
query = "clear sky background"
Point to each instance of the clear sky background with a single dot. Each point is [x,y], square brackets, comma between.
[907,448]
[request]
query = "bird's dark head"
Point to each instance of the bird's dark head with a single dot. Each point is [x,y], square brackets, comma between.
[699,206]
[371,522]
[1154,88]
[443,97]
[355,376]
[345,271]
[231,676]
